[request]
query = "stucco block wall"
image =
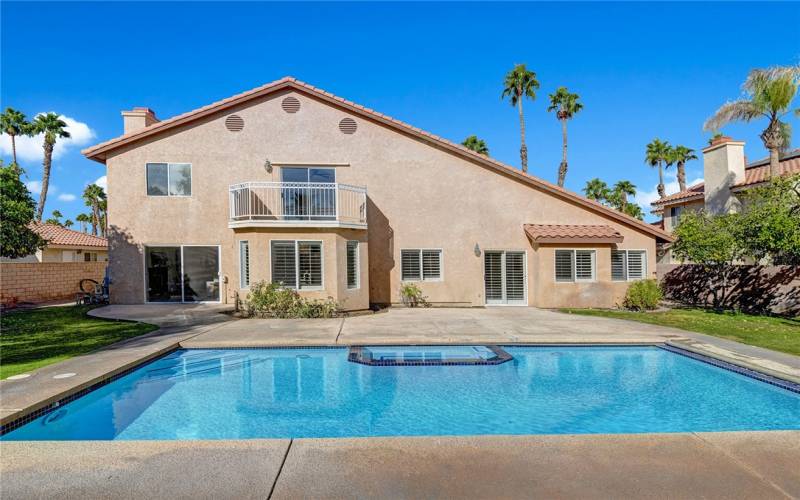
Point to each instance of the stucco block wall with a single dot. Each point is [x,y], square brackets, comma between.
[418,197]
[44,281]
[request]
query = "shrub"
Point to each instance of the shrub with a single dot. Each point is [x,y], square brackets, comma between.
[270,300]
[412,295]
[643,295]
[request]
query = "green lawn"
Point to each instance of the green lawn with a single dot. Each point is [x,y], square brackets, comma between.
[35,338]
[779,334]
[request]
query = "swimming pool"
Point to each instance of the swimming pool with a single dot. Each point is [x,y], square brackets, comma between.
[317,392]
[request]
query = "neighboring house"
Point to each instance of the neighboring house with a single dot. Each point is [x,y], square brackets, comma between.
[288,183]
[726,176]
[66,245]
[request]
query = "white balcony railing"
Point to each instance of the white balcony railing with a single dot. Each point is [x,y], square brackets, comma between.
[297,204]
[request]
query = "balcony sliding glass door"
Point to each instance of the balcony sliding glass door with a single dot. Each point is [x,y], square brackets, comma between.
[310,193]
[185,273]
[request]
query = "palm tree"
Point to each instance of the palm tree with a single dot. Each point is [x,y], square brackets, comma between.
[680,155]
[565,105]
[93,195]
[53,128]
[68,223]
[478,145]
[621,191]
[55,218]
[656,155]
[596,190]
[767,93]
[13,123]
[520,83]
[83,219]
[104,214]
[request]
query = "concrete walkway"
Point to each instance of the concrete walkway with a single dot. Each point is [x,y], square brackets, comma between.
[706,465]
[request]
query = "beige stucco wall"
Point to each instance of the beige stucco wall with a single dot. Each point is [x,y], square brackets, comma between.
[418,197]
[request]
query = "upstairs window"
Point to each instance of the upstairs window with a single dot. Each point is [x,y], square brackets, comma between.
[169,179]
[297,264]
[628,265]
[575,266]
[675,215]
[421,265]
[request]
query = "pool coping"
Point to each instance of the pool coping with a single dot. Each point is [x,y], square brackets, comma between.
[24,416]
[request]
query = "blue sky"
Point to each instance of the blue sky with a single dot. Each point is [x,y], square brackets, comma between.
[642,71]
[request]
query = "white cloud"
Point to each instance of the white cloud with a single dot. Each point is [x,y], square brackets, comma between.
[671,186]
[34,187]
[67,197]
[102,182]
[30,148]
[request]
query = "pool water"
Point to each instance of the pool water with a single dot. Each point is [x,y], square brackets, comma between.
[281,393]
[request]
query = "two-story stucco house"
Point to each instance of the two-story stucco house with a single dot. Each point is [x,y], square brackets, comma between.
[291,184]
[727,175]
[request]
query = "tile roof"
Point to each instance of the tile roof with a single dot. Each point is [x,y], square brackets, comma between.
[572,233]
[99,152]
[755,173]
[57,235]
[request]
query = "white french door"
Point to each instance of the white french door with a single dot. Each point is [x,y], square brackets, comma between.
[504,277]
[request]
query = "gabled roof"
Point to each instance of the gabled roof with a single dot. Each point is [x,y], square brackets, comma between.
[100,151]
[61,236]
[754,173]
[572,233]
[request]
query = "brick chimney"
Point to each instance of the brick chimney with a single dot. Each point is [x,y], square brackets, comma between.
[138,118]
[723,167]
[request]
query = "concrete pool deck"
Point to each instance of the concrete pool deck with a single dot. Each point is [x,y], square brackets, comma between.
[710,465]
[686,465]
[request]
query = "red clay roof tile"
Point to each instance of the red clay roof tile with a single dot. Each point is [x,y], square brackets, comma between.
[57,235]
[572,233]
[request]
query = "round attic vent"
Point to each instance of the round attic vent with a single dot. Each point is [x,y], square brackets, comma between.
[291,104]
[348,126]
[234,123]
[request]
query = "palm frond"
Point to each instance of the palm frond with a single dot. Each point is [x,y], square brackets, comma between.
[740,110]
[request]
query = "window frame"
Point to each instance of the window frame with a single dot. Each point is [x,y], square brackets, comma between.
[419,251]
[297,286]
[573,265]
[357,264]
[242,285]
[626,262]
[168,195]
[183,276]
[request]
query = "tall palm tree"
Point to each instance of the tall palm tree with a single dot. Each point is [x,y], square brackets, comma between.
[104,214]
[478,145]
[767,93]
[13,123]
[656,156]
[680,155]
[520,83]
[53,128]
[621,191]
[55,218]
[68,223]
[565,105]
[83,219]
[596,190]
[92,196]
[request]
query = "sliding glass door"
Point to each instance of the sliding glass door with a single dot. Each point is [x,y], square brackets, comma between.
[182,274]
[309,193]
[504,277]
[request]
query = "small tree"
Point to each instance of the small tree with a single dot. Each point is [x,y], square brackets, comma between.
[713,243]
[17,207]
[770,221]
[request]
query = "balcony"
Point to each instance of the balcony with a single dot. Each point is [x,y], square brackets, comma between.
[297,204]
